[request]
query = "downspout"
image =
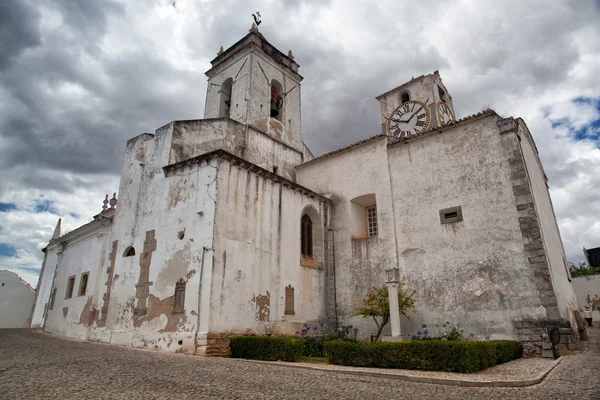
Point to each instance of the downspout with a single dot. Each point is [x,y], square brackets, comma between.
[204,250]
[199,296]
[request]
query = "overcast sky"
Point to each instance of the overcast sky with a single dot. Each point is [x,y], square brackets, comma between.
[79,78]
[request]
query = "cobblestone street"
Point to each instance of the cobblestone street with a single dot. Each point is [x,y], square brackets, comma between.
[34,364]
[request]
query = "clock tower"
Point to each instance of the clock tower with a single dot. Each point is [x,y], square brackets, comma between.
[421,104]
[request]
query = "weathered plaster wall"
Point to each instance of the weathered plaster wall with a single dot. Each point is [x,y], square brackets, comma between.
[587,290]
[473,272]
[168,219]
[44,289]
[257,254]
[554,250]
[16,300]
[263,70]
[83,252]
[193,138]
[424,89]
[237,69]
[252,72]
[359,263]
[268,153]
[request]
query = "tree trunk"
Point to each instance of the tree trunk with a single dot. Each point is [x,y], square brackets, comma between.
[384,322]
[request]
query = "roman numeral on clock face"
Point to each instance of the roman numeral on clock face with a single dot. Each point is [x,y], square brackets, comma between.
[420,123]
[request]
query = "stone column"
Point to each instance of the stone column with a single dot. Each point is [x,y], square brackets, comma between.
[393,283]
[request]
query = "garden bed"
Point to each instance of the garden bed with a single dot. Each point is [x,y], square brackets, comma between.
[428,355]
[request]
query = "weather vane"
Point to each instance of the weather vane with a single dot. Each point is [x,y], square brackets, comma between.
[257,21]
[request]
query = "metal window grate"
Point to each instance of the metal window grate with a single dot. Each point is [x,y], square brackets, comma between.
[372,220]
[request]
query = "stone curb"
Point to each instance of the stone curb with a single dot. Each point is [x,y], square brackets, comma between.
[422,379]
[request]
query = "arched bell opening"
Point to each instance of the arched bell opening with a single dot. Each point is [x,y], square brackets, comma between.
[276,100]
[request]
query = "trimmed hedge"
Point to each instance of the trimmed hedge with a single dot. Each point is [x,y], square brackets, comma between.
[429,355]
[267,348]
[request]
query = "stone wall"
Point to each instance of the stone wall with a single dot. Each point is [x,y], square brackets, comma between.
[534,336]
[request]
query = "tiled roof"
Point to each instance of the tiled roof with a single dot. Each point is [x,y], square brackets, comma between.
[342,150]
[481,114]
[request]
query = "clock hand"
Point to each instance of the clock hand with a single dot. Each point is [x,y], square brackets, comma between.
[416,112]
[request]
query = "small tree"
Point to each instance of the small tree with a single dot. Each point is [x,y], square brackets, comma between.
[376,305]
[582,269]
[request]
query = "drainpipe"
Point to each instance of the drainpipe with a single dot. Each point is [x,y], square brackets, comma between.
[199,296]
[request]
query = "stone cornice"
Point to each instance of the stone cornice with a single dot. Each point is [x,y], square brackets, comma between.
[235,160]
[101,222]
[449,126]
[256,40]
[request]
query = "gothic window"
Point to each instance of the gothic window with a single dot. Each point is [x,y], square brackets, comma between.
[363,214]
[306,236]
[404,97]
[179,303]
[83,283]
[70,286]
[276,100]
[225,101]
[129,252]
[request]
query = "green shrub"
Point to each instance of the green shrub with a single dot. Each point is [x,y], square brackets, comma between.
[267,348]
[429,355]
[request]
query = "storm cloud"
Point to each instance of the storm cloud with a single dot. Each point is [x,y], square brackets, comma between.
[78,79]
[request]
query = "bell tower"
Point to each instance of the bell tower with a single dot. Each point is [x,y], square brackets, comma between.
[426,97]
[259,86]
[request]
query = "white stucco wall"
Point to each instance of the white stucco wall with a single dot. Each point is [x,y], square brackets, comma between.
[16,300]
[587,290]
[257,255]
[424,89]
[555,253]
[178,210]
[44,289]
[475,272]
[84,252]
[359,263]
[252,72]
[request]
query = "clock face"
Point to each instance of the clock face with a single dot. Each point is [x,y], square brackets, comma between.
[409,119]
[444,113]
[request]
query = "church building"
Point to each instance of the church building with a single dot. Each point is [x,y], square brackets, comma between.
[229,225]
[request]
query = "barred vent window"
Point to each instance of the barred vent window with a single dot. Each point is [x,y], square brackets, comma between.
[372,219]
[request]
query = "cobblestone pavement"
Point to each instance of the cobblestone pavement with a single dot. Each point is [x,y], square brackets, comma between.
[38,365]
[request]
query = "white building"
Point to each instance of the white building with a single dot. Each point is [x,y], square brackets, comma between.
[16,300]
[228,223]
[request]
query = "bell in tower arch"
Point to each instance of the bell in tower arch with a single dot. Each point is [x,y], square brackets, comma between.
[276,99]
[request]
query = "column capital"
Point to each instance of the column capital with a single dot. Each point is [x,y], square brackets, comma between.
[392,275]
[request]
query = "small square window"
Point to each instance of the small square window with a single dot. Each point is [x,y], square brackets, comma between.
[450,215]
[70,286]
[372,220]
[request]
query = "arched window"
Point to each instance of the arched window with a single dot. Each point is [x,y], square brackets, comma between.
[276,100]
[405,97]
[306,236]
[129,252]
[225,103]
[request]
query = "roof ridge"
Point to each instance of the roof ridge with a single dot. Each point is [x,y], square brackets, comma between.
[342,149]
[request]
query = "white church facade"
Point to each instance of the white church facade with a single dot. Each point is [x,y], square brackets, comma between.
[229,224]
